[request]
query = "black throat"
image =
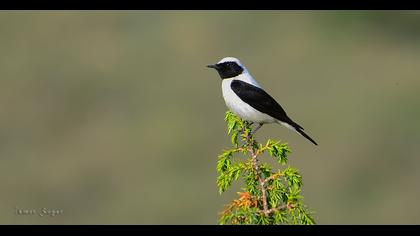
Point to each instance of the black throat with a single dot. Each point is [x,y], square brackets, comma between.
[229,69]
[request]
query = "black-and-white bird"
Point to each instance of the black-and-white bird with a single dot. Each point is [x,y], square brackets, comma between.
[246,98]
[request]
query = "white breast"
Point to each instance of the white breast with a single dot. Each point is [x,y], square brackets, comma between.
[240,108]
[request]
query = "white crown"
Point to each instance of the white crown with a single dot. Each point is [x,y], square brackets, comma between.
[226,59]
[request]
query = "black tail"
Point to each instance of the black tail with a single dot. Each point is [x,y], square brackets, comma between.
[300,131]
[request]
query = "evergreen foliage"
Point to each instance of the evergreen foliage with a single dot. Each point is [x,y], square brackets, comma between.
[269,196]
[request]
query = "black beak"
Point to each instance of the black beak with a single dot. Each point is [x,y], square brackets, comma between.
[213,66]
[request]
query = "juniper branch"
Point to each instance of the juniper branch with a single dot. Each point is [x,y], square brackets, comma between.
[269,197]
[254,155]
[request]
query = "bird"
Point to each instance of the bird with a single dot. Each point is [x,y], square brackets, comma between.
[248,100]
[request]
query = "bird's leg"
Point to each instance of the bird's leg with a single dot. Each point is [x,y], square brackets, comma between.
[247,123]
[256,129]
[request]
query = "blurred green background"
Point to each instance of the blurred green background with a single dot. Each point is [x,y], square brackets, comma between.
[112,116]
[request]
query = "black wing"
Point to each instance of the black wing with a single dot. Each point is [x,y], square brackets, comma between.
[263,102]
[260,100]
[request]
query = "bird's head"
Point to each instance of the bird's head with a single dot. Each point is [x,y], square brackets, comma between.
[228,67]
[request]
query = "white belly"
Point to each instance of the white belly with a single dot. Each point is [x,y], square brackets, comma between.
[240,108]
